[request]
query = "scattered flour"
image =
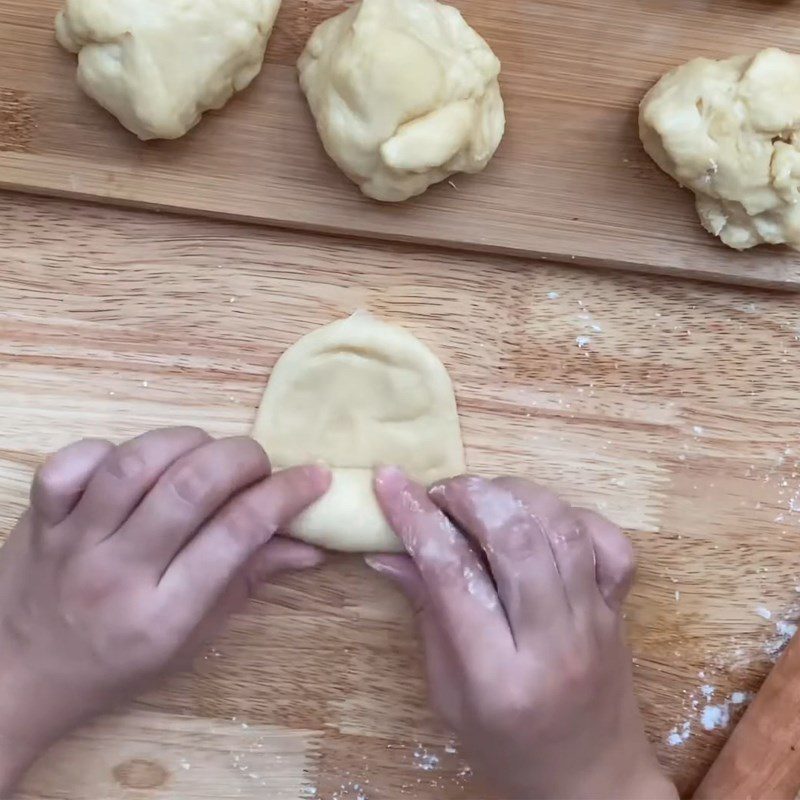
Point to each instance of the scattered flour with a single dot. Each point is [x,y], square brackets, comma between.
[719,715]
[350,790]
[711,716]
[714,717]
[784,630]
[679,734]
[424,759]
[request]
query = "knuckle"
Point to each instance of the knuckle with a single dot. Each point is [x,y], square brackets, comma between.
[517,540]
[47,478]
[515,703]
[187,434]
[193,430]
[127,462]
[147,639]
[576,667]
[191,483]
[246,524]
[623,560]
[524,489]
[462,484]
[567,532]
[513,483]
[88,590]
[619,556]
[538,500]
[506,710]
[254,450]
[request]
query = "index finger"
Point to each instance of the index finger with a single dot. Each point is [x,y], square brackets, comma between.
[457,581]
[208,563]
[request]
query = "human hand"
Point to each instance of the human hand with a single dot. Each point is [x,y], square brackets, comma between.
[128,559]
[518,598]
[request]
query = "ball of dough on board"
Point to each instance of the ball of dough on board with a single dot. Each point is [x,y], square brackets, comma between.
[404,94]
[357,394]
[157,65]
[730,131]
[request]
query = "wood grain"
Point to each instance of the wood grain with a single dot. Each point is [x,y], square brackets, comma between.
[570,181]
[677,417]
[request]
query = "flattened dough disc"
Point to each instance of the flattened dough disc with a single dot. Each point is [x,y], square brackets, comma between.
[357,394]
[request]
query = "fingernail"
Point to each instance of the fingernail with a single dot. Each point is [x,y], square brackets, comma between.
[380,565]
[389,474]
[311,560]
[320,475]
[373,563]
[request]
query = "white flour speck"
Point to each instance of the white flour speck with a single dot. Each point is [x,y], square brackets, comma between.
[719,716]
[425,760]
[553,295]
[785,630]
[679,734]
[582,341]
[714,717]
[765,613]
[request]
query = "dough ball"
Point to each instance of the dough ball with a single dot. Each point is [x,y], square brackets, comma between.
[730,131]
[404,94]
[355,395]
[157,65]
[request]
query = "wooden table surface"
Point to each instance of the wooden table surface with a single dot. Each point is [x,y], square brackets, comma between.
[570,181]
[669,405]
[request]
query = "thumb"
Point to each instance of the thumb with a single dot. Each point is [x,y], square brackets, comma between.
[439,657]
[401,571]
[281,555]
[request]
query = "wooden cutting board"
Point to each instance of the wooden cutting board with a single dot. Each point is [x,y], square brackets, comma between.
[570,181]
[669,405]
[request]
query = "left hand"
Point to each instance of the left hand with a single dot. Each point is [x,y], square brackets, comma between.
[127,561]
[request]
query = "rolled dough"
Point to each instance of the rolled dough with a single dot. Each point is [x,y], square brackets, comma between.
[356,394]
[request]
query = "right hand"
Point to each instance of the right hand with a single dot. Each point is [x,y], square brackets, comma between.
[518,597]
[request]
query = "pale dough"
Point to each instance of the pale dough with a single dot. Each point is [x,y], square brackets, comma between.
[730,131]
[404,94]
[157,65]
[356,394]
